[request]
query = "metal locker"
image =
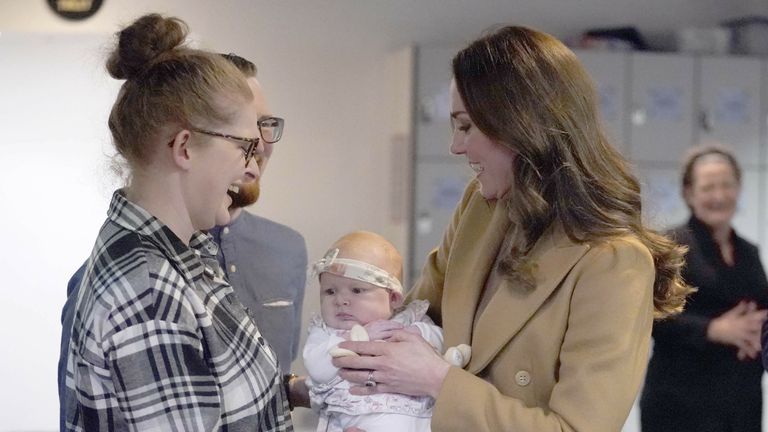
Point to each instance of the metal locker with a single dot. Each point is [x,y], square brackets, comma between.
[663,204]
[439,177]
[661,112]
[439,188]
[433,78]
[746,222]
[729,104]
[609,72]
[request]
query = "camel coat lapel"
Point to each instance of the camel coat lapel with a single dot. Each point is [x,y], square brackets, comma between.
[466,280]
[511,306]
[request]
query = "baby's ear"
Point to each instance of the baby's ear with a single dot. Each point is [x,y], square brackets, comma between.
[395,299]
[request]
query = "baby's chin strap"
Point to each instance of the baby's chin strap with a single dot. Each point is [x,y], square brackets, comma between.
[355,269]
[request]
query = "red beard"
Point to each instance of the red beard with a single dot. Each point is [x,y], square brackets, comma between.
[247,195]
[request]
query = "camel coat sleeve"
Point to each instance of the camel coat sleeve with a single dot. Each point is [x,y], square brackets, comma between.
[568,355]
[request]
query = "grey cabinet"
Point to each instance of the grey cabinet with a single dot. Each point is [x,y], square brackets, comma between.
[610,72]
[439,177]
[661,107]
[654,106]
[730,105]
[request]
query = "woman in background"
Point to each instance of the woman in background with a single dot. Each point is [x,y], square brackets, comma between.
[705,372]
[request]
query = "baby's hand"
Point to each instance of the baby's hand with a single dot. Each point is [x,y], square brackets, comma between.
[357,334]
[458,355]
[382,329]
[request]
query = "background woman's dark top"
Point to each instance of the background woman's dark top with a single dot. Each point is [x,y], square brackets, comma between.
[694,384]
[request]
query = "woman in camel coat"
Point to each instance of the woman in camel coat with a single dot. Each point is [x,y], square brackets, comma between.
[545,270]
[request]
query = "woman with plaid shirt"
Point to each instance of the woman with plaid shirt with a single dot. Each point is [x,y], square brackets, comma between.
[159,341]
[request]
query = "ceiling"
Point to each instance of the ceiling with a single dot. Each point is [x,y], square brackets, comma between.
[389,24]
[396,23]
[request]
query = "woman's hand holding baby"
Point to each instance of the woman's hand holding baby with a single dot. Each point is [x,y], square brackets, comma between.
[407,365]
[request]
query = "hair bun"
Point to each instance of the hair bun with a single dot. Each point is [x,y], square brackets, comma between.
[141,43]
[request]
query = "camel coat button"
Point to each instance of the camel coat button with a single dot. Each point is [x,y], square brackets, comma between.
[523,378]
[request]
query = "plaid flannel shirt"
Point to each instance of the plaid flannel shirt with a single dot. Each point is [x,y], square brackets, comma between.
[160,342]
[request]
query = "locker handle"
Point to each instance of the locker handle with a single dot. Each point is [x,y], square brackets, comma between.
[704,121]
[639,117]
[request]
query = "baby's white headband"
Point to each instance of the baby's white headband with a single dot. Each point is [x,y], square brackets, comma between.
[358,270]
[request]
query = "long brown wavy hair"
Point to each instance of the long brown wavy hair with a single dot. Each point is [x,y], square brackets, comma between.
[526,90]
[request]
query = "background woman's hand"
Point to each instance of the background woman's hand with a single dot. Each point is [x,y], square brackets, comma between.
[740,327]
[405,364]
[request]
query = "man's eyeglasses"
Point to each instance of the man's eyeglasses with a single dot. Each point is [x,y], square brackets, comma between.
[249,152]
[270,128]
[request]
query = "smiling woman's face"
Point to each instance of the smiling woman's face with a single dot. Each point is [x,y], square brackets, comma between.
[490,160]
[714,191]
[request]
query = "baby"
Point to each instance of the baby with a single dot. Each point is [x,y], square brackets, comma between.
[361,298]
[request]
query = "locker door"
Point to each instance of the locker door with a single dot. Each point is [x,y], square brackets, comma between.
[439,189]
[439,178]
[663,204]
[433,77]
[609,71]
[662,115]
[746,222]
[730,105]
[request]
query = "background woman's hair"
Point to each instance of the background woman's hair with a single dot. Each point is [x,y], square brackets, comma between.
[167,86]
[526,90]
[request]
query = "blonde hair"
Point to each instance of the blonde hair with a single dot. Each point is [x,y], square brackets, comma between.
[167,84]
[357,244]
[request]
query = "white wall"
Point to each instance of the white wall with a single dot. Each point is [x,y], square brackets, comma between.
[337,70]
[331,172]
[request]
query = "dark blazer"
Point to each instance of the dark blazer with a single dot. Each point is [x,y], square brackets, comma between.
[693,384]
